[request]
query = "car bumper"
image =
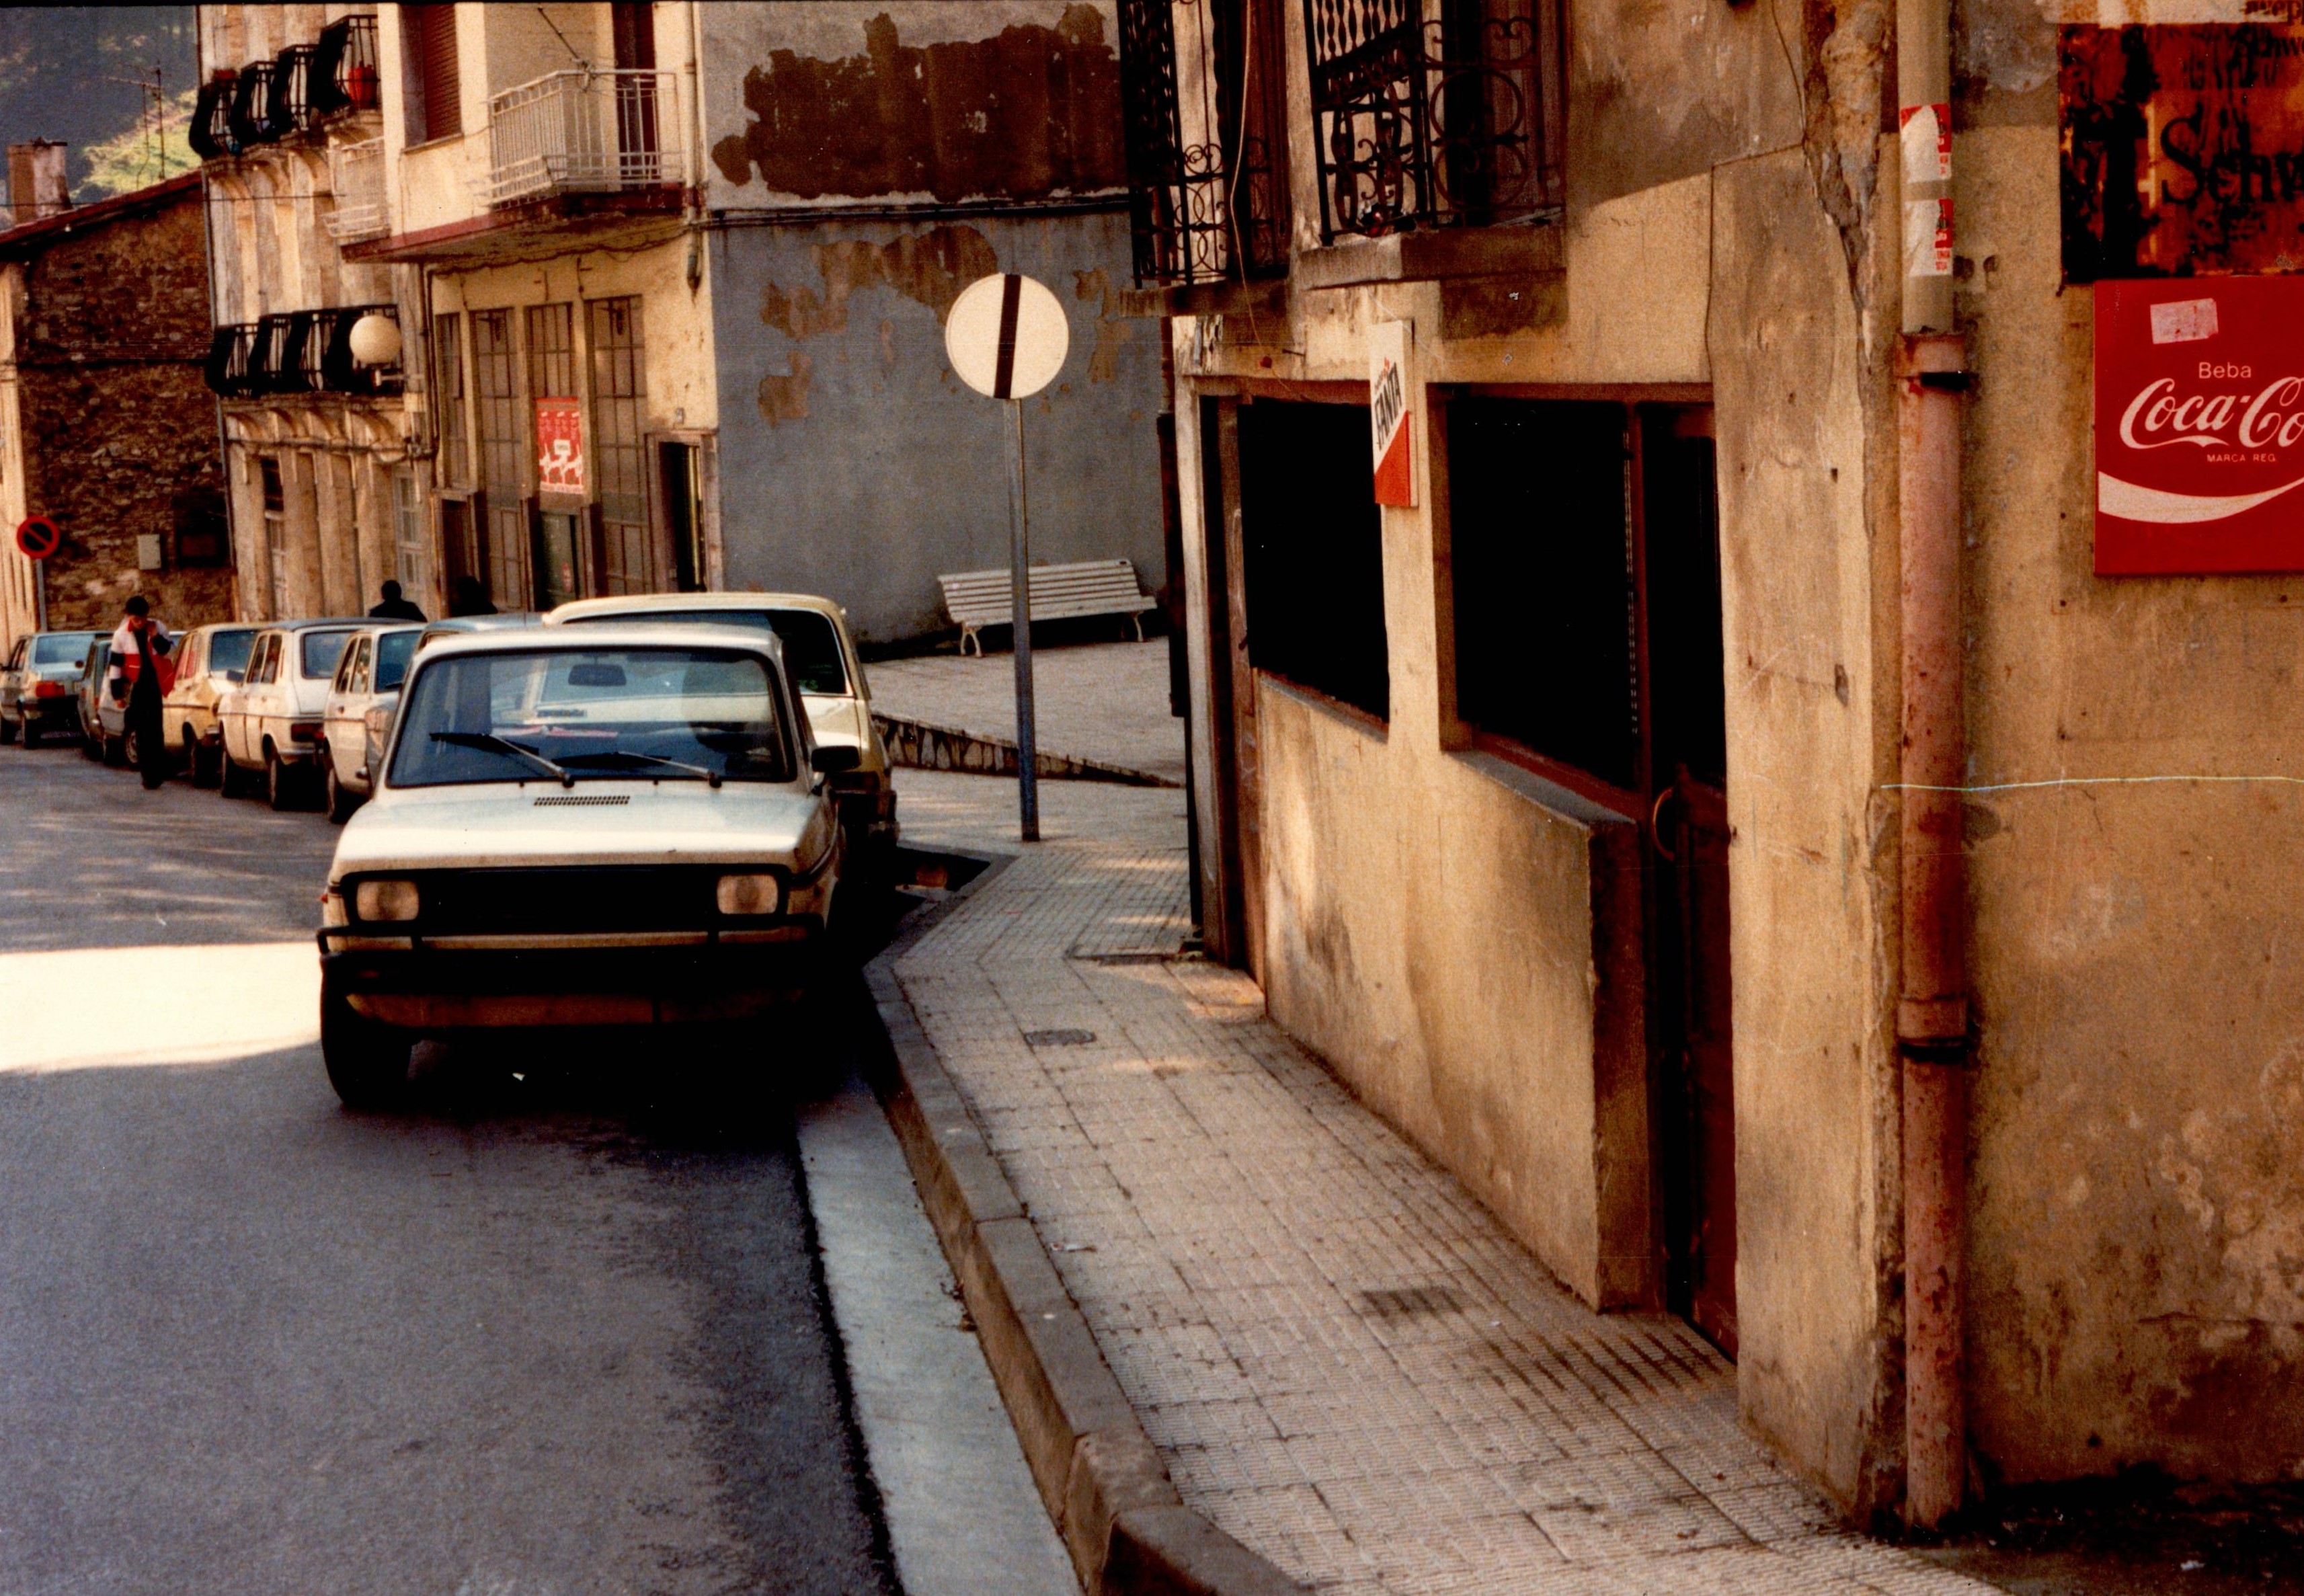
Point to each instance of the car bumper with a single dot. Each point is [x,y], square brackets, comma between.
[51,712]
[446,983]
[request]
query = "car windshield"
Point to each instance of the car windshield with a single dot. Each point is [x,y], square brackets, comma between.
[811,645]
[228,651]
[393,650]
[60,648]
[663,713]
[317,653]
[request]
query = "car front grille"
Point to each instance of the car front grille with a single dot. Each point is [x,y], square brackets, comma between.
[603,898]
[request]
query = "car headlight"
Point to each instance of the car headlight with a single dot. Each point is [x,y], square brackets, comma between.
[385,900]
[750,895]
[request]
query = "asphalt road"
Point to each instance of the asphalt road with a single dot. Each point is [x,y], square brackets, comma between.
[562,1333]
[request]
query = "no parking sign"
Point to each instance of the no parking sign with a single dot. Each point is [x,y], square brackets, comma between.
[38,538]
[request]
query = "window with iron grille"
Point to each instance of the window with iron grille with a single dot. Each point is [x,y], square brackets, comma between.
[1204,110]
[1436,113]
[502,460]
[410,554]
[455,429]
[275,534]
[343,67]
[619,383]
[552,351]
[1312,551]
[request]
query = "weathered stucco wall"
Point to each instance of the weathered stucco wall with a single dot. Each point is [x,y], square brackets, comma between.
[2137,1190]
[854,463]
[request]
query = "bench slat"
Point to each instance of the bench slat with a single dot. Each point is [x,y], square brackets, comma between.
[981,598]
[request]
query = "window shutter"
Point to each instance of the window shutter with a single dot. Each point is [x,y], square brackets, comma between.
[429,33]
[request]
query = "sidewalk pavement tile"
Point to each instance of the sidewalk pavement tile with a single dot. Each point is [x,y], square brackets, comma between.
[1345,1361]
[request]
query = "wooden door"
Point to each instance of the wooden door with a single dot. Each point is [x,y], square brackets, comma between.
[1704,1057]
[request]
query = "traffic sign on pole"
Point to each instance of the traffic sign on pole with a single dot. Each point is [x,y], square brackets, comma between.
[37,537]
[1007,336]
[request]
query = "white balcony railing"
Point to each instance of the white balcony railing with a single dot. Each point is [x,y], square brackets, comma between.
[584,133]
[356,173]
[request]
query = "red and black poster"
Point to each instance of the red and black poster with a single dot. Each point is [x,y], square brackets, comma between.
[2183,148]
[2199,425]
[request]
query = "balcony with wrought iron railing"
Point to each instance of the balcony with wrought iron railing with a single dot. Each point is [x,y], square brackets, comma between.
[344,74]
[297,92]
[356,175]
[298,351]
[1437,113]
[1204,116]
[586,133]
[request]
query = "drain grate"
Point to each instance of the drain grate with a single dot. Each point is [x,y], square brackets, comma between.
[584,801]
[1414,1303]
[1058,1038]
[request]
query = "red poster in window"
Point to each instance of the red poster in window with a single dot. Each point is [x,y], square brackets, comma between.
[559,446]
[2199,425]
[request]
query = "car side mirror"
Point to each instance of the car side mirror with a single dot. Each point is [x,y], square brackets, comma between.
[833,759]
[234,677]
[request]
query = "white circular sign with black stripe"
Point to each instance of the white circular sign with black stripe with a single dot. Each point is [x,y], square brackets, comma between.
[1007,336]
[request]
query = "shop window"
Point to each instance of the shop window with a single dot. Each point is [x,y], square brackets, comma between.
[619,383]
[1312,551]
[1539,549]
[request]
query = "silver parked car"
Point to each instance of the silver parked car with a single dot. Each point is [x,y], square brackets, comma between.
[39,686]
[208,663]
[357,715]
[595,826]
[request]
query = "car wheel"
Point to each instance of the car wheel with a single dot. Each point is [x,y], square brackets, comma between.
[233,779]
[342,798]
[92,746]
[131,750]
[368,1062]
[32,738]
[279,781]
[115,751]
[8,731]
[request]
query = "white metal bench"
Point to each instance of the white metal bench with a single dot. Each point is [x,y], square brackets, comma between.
[979,599]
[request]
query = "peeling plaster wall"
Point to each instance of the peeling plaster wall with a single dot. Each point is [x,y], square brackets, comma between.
[2136,1183]
[854,463]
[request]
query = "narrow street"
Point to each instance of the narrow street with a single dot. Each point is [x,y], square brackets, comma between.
[562,1330]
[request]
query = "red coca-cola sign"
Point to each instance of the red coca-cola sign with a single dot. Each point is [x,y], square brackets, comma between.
[2199,425]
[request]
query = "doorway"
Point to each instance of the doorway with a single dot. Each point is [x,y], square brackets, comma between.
[1583,552]
[555,558]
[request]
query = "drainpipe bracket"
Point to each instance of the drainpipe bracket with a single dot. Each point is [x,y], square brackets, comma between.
[1934,1028]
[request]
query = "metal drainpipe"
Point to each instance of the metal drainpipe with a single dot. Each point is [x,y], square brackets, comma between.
[1931,1012]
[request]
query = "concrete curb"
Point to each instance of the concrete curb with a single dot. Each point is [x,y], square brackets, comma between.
[923,745]
[1103,1482]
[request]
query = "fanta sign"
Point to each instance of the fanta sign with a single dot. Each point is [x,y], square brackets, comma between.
[2199,425]
[1388,413]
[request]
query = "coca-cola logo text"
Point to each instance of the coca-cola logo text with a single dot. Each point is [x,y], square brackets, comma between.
[2235,427]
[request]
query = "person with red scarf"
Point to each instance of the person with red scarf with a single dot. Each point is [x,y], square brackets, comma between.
[138,646]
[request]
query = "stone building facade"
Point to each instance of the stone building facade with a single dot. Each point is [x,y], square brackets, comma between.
[1556,799]
[105,427]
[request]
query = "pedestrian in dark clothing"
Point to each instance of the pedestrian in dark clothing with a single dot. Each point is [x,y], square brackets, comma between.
[138,648]
[394,607]
[466,597]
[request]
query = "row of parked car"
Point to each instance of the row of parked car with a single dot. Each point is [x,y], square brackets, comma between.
[300,711]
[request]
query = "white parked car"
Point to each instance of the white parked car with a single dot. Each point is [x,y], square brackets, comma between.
[271,717]
[821,657]
[209,663]
[357,715]
[599,826]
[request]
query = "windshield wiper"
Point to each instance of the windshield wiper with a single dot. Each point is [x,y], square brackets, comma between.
[613,755]
[495,744]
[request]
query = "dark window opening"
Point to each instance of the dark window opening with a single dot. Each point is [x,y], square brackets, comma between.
[427,35]
[1312,546]
[1543,579]
[202,535]
[676,466]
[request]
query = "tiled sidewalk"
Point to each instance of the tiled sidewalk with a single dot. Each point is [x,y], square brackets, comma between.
[1344,1361]
[1107,702]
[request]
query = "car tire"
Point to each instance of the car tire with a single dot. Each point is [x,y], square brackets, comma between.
[366,1063]
[280,784]
[131,750]
[91,747]
[233,779]
[342,798]
[115,751]
[32,738]
[8,730]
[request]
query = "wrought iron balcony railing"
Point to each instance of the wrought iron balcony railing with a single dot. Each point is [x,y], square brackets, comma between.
[210,134]
[288,106]
[1204,111]
[355,174]
[250,119]
[345,76]
[1437,112]
[584,133]
[300,351]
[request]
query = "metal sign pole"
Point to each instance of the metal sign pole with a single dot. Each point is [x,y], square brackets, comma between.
[1027,773]
[40,593]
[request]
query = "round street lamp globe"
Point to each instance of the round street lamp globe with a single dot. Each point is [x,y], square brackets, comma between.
[375,340]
